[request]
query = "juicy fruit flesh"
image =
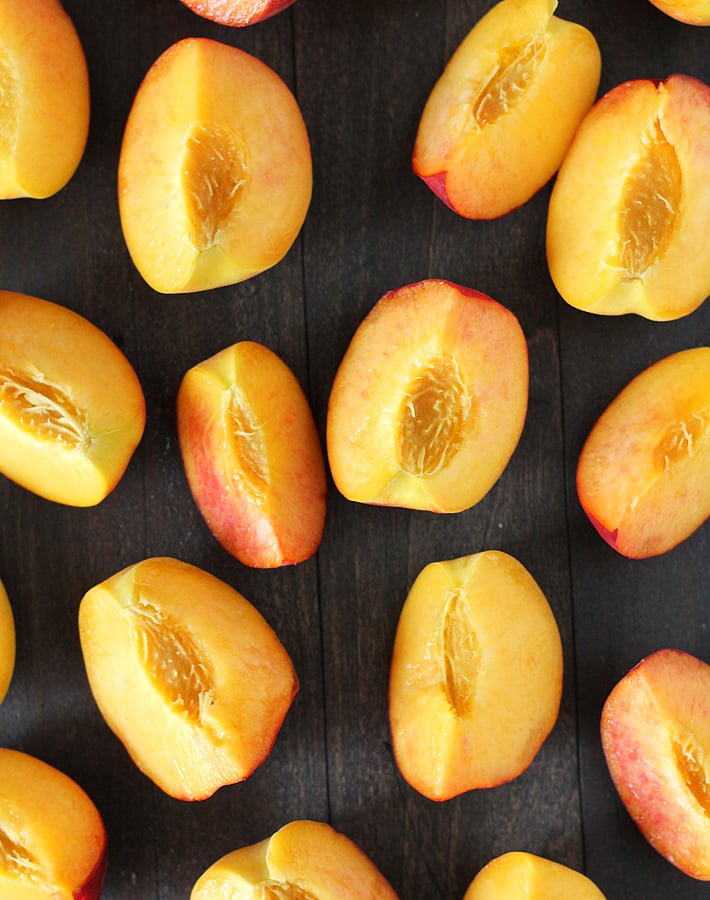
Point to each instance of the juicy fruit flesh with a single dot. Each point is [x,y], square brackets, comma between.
[8,107]
[279,890]
[512,72]
[432,416]
[649,206]
[214,175]
[43,409]
[17,862]
[171,656]
[245,442]
[691,763]
[680,440]
[459,654]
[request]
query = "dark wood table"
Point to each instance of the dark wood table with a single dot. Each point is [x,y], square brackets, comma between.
[361,70]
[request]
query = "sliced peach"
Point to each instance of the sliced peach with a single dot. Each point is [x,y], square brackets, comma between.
[237,13]
[692,12]
[631,203]
[643,475]
[655,730]
[52,838]
[252,455]
[215,172]
[44,116]
[72,409]
[525,876]
[186,672]
[476,675]
[7,642]
[304,860]
[501,117]
[429,401]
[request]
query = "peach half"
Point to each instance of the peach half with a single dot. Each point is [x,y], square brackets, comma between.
[237,13]
[252,455]
[643,476]
[476,675]
[304,860]
[52,837]
[692,12]
[44,120]
[186,672]
[72,410]
[214,175]
[430,399]
[525,876]
[500,119]
[7,642]
[631,203]
[655,730]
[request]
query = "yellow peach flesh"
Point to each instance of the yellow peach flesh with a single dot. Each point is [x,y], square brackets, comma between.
[211,191]
[643,472]
[7,642]
[52,839]
[252,455]
[692,12]
[655,732]
[476,675]
[71,407]
[304,860]
[500,119]
[153,639]
[427,407]
[525,876]
[44,98]
[630,200]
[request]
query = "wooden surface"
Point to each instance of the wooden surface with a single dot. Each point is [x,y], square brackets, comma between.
[361,70]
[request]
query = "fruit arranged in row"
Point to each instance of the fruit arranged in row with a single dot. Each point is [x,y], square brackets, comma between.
[425,412]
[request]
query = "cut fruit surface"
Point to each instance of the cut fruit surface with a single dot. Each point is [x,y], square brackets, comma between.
[525,876]
[215,168]
[44,106]
[304,860]
[52,838]
[643,475]
[631,203]
[476,675]
[692,12]
[186,672]
[655,730]
[7,642]
[252,455]
[429,401]
[501,117]
[72,410]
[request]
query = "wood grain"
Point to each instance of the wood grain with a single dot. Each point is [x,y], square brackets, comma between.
[361,71]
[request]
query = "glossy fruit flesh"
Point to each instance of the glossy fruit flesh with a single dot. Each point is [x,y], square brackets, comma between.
[643,476]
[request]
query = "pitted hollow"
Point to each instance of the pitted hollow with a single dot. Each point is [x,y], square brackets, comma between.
[19,863]
[459,654]
[9,106]
[215,174]
[432,415]
[169,653]
[512,72]
[692,763]
[649,205]
[682,439]
[42,408]
[245,441]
